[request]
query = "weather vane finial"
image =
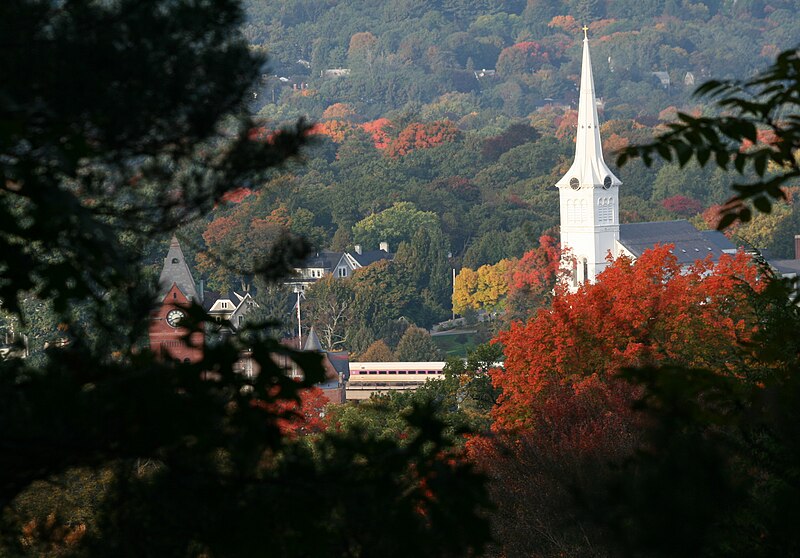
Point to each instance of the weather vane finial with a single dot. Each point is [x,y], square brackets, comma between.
[585,29]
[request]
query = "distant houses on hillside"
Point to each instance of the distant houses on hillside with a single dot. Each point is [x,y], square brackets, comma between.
[338,264]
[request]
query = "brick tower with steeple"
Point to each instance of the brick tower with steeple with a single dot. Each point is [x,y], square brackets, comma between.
[177,291]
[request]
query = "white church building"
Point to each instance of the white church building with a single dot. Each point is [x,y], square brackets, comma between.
[589,204]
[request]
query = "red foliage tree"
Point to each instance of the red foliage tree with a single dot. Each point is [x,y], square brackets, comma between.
[682,205]
[532,278]
[561,366]
[524,57]
[305,417]
[567,125]
[237,195]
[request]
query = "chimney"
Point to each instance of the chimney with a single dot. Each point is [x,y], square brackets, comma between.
[797,246]
[357,248]
[384,247]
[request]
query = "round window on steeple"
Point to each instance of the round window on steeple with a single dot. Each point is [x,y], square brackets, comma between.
[575,184]
[607,182]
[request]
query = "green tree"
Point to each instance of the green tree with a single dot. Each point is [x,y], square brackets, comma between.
[379,351]
[416,345]
[394,225]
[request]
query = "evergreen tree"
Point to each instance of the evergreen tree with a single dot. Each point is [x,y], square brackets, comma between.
[416,345]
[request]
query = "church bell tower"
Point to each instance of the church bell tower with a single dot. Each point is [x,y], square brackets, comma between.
[589,191]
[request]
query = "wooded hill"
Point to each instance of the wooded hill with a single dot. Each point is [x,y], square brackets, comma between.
[455,166]
[407,55]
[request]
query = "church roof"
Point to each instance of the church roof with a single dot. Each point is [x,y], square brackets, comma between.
[312,342]
[176,271]
[690,244]
[588,167]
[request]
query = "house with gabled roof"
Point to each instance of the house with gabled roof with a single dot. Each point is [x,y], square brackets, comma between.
[339,264]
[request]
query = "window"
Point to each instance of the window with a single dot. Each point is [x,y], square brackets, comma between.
[175,260]
[585,270]
[342,272]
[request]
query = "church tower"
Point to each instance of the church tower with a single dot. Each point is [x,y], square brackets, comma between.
[589,191]
[177,290]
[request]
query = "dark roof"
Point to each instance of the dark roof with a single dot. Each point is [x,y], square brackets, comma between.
[324,259]
[720,240]
[209,298]
[786,267]
[372,256]
[690,244]
[340,361]
[176,271]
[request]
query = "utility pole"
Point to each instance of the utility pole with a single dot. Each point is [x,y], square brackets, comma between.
[299,328]
[452,304]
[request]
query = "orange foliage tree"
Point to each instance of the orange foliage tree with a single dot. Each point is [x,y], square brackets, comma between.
[380,131]
[337,130]
[419,135]
[561,366]
[339,111]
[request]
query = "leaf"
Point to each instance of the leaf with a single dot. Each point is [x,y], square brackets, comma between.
[664,151]
[739,162]
[763,204]
[702,155]
[684,152]
[726,221]
[722,159]
[760,162]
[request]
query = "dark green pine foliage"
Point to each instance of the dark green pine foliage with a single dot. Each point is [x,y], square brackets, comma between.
[119,122]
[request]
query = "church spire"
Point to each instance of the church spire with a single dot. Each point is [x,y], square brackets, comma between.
[176,271]
[588,168]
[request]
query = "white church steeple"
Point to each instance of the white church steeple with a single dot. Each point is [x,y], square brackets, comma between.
[589,191]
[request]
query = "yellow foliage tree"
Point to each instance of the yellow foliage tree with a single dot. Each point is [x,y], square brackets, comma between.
[484,289]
